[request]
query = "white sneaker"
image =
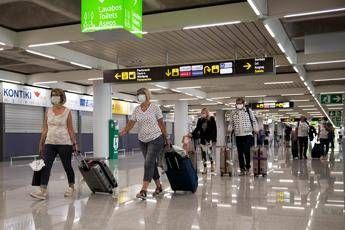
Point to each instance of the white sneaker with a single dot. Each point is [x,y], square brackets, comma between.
[69,192]
[40,194]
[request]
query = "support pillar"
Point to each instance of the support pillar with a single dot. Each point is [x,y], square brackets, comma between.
[181,121]
[221,135]
[101,115]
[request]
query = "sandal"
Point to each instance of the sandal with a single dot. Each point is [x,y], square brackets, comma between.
[158,191]
[142,195]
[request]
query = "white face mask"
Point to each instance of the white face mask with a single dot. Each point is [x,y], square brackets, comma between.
[141,98]
[240,106]
[56,100]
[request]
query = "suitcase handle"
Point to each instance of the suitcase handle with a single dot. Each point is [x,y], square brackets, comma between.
[80,158]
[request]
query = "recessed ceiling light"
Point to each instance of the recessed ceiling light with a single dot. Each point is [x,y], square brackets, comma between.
[189,87]
[80,65]
[325,62]
[256,10]
[155,90]
[95,79]
[211,25]
[49,44]
[269,30]
[45,82]
[10,81]
[314,12]
[40,54]
[330,79]
[293,94]
[257,96]
[1,49]
[189,99]
[332,105]
[301,100]
[3,44]
[278,82]
[289,59]
[281,47]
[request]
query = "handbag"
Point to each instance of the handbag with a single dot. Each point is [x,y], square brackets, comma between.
[36,178]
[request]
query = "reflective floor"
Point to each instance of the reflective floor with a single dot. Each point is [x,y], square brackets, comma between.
[296,194]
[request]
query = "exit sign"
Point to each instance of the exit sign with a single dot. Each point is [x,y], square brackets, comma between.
[99,15]
[331,98]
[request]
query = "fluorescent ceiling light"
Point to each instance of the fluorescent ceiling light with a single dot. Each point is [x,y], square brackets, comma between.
[190,87]
[293,113]
[337,108]
[295,68]
[95,79]
[46,82]
[259,208]
[285,110]
[81,65]
[309,109]
[324,62]
[278,82]
[314,12]
[334,105]
[10,81]
[330,79]
[189,99]
[154,100]
[302,78]
[3,44]
[293,207]
[211,25]
[332,92]
[189,94]
[272,101]
[139,32]
[305,106]
[160,86]
[176,91]
[256,10]
[269,31]
[257,96]
[155,89]
[293,94]
[218,98]
[280,188]
[49,44]
[289,59]
[207,99]
[281,47]
[1,49]
[40,54]
[200,97]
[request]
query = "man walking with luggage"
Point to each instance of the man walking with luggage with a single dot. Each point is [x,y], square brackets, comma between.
[244,124]
[303,133]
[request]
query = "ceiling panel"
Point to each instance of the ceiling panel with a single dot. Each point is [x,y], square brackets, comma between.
[322,67]
[28,69]
[243,40]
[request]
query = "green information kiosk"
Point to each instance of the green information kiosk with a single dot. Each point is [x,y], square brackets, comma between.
[113,140]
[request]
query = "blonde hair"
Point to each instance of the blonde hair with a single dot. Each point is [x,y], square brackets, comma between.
[146,92]
[61,93]
[206,111]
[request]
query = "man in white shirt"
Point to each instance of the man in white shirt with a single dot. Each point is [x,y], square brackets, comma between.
[244,124]
[303,133]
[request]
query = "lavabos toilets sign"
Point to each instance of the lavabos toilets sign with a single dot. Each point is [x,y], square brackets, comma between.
[34,96]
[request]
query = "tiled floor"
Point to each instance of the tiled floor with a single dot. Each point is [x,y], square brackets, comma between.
[306,195]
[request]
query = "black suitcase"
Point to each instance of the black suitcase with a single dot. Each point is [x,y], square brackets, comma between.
[181,174]
[317,151]
[97,175]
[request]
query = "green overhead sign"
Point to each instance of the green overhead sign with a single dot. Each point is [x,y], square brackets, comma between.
[331,98]
[98,15]
[336,117]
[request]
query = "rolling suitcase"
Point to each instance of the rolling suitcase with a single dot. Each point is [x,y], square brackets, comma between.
[225,159]
[180,172]
[260,156]
[294,148]
[97,175]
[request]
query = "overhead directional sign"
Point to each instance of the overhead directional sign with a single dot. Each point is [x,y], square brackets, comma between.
[254,66]
[336,116]
[331,98]
[272,105]
[187,72]
[98,15]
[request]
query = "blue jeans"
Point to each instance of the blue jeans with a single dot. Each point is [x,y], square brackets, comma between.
[151,151]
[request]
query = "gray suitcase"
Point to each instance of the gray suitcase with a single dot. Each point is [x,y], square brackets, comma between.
[97,176]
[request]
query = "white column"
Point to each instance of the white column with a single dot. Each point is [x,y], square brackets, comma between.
[181,121]
[221,127]
[221,134]
[101,116]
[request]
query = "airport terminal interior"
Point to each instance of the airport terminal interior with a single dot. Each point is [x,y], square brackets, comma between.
[285,59]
